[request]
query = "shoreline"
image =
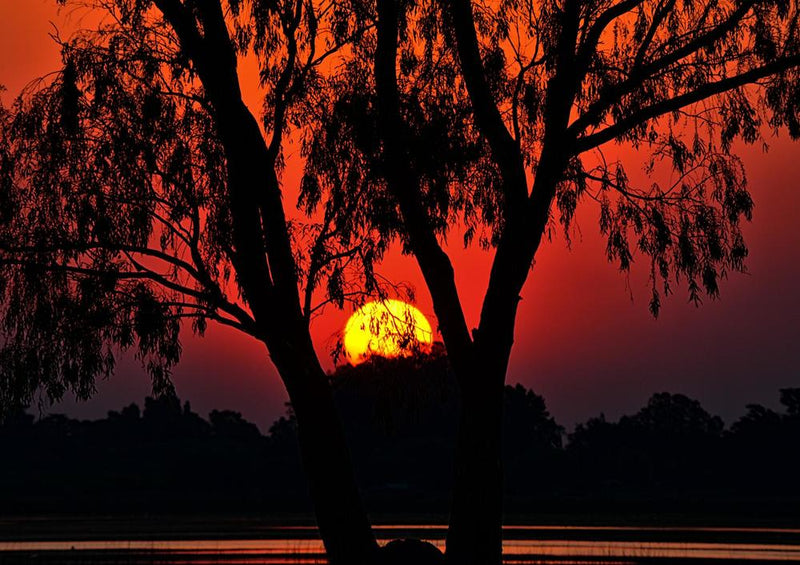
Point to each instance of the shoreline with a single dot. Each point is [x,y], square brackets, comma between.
[144,527]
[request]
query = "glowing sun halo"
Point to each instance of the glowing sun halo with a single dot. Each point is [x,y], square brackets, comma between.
[389,328]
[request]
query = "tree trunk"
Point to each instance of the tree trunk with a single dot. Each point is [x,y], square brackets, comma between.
[476,520]
[474,536]
[341,518]
[266,273]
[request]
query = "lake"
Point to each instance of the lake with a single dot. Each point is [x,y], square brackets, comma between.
[286,545]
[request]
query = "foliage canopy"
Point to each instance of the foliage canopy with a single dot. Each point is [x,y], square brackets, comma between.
[116,205]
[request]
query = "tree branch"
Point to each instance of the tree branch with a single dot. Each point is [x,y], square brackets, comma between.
[433,260]
[591,39]
[638,75]
[658,17]
[282,88]
[505,149]
[248,176]
[703,92]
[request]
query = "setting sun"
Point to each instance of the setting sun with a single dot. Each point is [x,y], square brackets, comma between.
[389,328]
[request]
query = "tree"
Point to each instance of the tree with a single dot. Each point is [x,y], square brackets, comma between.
[671,448]
[790,398]
[138,191]
[527,421]
[677,438]
[496,118]
[761,445]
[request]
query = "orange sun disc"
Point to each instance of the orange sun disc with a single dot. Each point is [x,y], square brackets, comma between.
[389,328]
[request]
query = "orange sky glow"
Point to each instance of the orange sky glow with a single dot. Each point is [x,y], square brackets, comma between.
[585,339]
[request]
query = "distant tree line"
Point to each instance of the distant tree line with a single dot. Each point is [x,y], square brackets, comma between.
[401,419]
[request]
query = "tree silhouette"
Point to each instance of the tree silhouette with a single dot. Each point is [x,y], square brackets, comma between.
[495,118]
[230,424]
[675,433]
[761,445]
[669,446]
[138,191]
[400,417]
[531,440]
[790,398]
[668,456]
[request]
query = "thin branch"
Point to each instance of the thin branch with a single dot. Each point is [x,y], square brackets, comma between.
[672,104]
[284,82]
[592,38]
[505,147]
[637,76]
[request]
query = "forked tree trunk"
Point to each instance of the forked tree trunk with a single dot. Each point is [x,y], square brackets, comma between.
[476,520]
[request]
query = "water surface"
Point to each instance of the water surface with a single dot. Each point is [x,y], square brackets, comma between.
[522,545]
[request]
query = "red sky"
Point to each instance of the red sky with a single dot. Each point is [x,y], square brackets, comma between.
[585,339]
